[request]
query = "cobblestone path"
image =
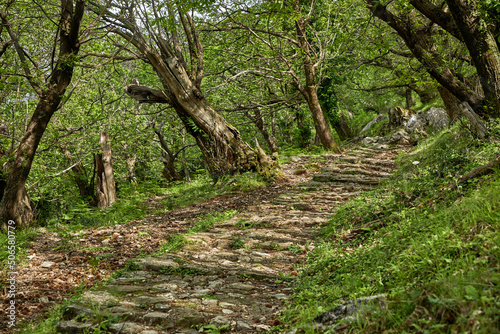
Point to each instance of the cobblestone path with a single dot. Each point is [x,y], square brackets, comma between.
[233,276]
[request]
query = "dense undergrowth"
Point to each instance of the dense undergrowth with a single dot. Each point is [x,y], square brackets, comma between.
[434,252]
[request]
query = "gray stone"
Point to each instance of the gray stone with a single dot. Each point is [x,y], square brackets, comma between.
[122,311]
[189,320]
[125,328]
[74,310]
[100,297]
[159,318]
[122,289]
[220,321]
[281,296]
[417,122]
[241,286]
[438,118]
[151,300]
[243,325]
[72,327]
[350,308]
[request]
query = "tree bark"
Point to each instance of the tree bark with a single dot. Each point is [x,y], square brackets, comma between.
[478,127]
[85,188]
[168,159]
[106,187]
[483,49]
[258,120]
[310,90]
[451,103]
[219,141]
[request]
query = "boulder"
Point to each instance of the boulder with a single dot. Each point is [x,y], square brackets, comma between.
[417,122]
[437,118]
[399,116]
[350,309]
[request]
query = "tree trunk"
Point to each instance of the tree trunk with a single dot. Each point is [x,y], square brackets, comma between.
[478,127]
[130,160]
[342,128]
[483,49]
[106,187]
[219,141]
[85,188]
[258,120]
[310,90]
[451,103]
[168,159]
[14,205]
[187,177]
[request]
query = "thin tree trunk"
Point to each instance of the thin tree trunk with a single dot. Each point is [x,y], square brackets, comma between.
[478,126]
[451,103]
[310,90]
[422,47]
[258,120]
[105,171]
[187,177]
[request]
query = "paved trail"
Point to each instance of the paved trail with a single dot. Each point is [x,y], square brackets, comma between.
[233,276]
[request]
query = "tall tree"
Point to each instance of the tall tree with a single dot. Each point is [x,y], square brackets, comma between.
[50,91]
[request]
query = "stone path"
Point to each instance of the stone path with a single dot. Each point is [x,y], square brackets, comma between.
[235,276]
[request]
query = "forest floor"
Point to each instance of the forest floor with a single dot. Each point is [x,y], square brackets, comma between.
[226,263]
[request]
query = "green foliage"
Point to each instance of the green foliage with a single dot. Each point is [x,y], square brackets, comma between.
[212,329]
[434,252]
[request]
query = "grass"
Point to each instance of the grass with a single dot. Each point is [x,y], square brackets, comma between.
[435,253]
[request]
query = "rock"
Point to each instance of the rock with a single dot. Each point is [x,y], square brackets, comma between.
[100,297]
[44,300]
[47,264]
[220,321]
[122,289]
[73,310]
[417,122]
[398,116]
[243,326]
[241,287]
[189,320]
[126,328]
[126,312]
[159,318]
[72,327]
[399,138]
[438,118]
[350,308]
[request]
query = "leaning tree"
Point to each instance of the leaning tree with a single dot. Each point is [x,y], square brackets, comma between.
[48,74]
[165,36]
